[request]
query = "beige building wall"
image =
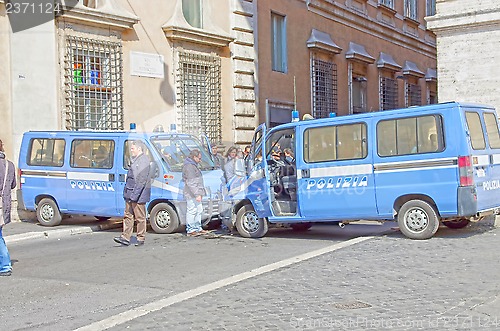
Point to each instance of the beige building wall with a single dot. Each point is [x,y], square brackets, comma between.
[5,91]
[468,35]
[366,23]
[35,76]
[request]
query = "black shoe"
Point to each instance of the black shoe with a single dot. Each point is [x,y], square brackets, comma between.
[122,241]
[139,243]
[6,273]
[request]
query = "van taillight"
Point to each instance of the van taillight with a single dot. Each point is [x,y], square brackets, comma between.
[465,171]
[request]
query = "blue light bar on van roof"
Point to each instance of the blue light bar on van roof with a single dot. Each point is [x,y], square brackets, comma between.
[132,126]
[295,116]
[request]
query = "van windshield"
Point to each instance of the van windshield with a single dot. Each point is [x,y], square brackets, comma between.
[175,149]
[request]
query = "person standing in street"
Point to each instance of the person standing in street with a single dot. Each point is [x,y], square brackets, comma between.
[7,183]
[136,194]
[218,158]
[194,190]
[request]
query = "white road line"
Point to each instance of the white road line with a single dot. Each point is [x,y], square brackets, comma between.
[166,302]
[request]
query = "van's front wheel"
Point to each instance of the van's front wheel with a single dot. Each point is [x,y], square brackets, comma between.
[164,219]
[48,213]
[248,223]
[417,219]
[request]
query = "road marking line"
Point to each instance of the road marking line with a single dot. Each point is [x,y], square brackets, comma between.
[166,302]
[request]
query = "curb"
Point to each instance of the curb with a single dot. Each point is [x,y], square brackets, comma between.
[60,233]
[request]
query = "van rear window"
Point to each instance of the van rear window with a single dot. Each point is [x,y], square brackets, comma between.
[46,152]
[492,130]
[475,130]
[410,135]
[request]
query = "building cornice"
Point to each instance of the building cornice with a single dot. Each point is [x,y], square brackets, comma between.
[464,20]
[107,14]
[178,29]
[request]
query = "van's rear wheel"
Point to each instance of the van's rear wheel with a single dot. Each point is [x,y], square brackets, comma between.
[248,223]
[48,213]
[164,218]
[417,219]
[457,224]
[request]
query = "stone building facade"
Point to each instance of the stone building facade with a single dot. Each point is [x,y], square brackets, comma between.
[103,64]
[218,67]
[468,35]
[343,57]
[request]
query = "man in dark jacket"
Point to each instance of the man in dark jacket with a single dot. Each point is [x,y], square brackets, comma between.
[194,190]
[7,183]
[136,193]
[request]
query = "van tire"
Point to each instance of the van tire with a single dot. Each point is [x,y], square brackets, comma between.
[164,219]
[418,219]
[457,224]
[248,223]
[48,213]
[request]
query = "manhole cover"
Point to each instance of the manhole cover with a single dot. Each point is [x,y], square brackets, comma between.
[351,305]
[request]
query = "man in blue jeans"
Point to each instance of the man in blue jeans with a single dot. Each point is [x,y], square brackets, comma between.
[194,190]
[7,183]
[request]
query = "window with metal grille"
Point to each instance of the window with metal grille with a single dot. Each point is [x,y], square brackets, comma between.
[411,9]
[93,84]
[388,93]
[199,91]
[324,85]
[387,3]
[413,95]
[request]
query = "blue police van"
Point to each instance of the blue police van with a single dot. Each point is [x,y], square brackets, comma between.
[83,172]
[419,166]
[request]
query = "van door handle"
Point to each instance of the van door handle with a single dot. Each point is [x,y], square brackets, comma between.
[111,177]
[121,178]
[305,173]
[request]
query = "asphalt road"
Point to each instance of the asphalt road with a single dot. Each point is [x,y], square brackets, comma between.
[76,281]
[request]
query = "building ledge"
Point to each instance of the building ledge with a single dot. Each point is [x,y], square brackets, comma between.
[322,41]
[357,52]
[386,61]
[411,69]
[106,14]
[431,75]
[197,36]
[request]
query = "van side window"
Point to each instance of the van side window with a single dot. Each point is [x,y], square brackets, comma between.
[492,130]
[96,154]
[333,143]
[411,135]
[475,130]
[46,152]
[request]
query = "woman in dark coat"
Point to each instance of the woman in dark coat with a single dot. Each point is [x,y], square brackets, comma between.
[7,183]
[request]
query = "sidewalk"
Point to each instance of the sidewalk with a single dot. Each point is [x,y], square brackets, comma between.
[29,228]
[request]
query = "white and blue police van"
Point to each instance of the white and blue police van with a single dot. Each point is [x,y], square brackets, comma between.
[84,172]
[419,166]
